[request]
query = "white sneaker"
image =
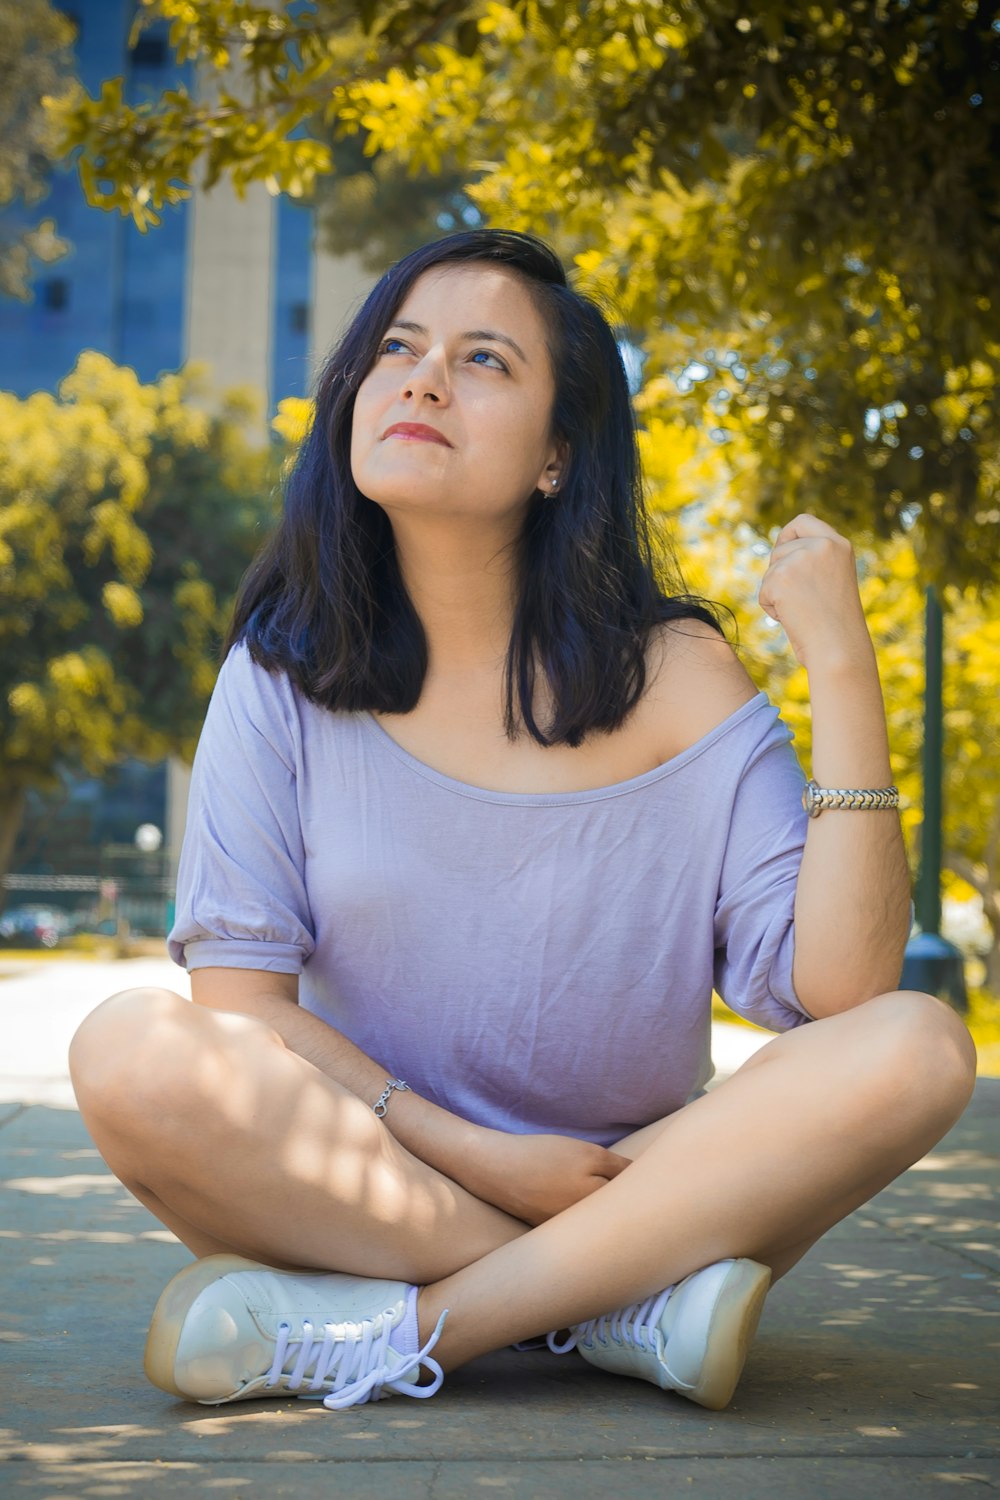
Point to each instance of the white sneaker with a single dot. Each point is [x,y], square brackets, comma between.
[229,1329]
[691,1338]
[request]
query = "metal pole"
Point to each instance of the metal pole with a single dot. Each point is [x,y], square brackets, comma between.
[932,963]
[928,894]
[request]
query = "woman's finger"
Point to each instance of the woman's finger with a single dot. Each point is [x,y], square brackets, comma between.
[806,525]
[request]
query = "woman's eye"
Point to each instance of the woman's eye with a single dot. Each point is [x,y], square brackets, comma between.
[392,346]
[487,354]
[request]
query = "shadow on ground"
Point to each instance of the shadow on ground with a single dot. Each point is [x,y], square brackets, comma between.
[875,1370]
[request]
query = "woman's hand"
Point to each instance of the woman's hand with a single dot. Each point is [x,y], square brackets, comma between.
[534,1177]
[811,589]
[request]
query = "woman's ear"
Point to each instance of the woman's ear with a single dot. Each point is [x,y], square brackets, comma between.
[552,476]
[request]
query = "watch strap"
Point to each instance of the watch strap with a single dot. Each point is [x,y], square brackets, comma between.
[817,799]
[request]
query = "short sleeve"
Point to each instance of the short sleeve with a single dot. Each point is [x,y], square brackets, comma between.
[754,916]
[241,895]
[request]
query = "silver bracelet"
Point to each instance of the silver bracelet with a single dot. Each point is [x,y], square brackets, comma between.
[392,1085]
[816,798]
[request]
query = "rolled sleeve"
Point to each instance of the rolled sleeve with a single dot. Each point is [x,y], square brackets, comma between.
[241,894]
[754,916]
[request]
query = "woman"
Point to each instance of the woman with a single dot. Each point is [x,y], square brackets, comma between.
[478,814]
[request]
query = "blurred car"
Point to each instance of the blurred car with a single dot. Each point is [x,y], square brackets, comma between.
[31,927]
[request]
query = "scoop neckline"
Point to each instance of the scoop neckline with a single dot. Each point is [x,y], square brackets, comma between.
[563,799]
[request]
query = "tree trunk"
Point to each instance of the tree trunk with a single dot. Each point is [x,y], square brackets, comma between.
[982,878]
[993,968]
[991,909]
[11,815]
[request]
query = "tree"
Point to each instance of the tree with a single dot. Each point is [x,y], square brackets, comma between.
[796,208]
[374,208]
[127,515]
[34,63]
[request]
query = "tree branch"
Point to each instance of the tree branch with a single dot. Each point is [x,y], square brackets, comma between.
[992,856]
[978,877]
[201,116]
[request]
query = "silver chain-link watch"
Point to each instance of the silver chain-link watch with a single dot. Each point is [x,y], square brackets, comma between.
[816,799]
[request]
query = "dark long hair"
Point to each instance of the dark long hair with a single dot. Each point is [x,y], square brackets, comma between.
[325,600]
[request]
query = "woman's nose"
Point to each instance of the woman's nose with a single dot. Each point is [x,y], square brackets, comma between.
[428,377]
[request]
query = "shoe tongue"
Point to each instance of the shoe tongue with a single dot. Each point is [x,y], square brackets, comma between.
[405,1337]
[664,1311]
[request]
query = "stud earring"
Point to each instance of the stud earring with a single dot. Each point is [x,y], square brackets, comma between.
[554,483]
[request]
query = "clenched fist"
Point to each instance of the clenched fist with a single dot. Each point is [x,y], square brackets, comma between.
[811,589]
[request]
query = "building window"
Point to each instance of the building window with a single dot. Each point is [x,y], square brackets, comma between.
[55,293]
[150,52]
[298,317]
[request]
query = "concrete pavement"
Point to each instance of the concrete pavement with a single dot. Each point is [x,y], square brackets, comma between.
[875,1371]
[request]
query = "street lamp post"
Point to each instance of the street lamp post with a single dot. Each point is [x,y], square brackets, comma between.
[148,840]
[932,963]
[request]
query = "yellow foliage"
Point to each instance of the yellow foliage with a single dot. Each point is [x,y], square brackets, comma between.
[680,468]
[122,604]
[292,419]
[983,1021]
[77,495]
[112,529]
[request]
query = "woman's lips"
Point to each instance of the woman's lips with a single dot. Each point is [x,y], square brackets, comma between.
[417,432]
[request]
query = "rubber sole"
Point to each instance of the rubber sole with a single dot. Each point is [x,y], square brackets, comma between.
[733,1324]
[159,1360]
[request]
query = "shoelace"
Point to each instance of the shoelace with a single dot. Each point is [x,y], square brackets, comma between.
[356,1357]
[550,1340]
[630,1325]
[634,1326]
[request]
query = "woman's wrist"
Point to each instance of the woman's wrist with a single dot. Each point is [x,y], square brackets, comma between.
[845,661]
[850,742]
[434,1135]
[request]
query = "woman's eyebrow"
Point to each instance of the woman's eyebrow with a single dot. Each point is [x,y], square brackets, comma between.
[471,337]
[499,338]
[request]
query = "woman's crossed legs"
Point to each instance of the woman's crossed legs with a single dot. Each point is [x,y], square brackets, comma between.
[238,1144]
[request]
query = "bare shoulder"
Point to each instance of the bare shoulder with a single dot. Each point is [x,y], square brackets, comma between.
[696,681]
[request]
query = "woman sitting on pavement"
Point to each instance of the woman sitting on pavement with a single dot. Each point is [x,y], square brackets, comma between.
[480,813]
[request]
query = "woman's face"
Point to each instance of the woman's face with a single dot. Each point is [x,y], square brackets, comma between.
[454,416]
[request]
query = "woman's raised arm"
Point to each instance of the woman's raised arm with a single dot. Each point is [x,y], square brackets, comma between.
[852,902]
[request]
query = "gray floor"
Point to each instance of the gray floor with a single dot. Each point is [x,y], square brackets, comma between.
[875,1371]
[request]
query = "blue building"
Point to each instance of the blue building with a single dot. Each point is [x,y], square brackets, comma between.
[153,301]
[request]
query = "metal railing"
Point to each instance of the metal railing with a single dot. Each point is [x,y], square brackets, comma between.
[122,905]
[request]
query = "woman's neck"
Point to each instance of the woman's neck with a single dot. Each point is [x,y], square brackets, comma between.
[462,585]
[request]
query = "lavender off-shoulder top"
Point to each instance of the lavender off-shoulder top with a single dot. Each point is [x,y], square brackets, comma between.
[530,961]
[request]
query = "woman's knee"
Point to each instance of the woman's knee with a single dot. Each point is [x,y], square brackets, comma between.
[922,1051]
[136,1058]
[118,1039]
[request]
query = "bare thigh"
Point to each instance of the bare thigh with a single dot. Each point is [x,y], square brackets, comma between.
[828,1051]
[237,1143]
